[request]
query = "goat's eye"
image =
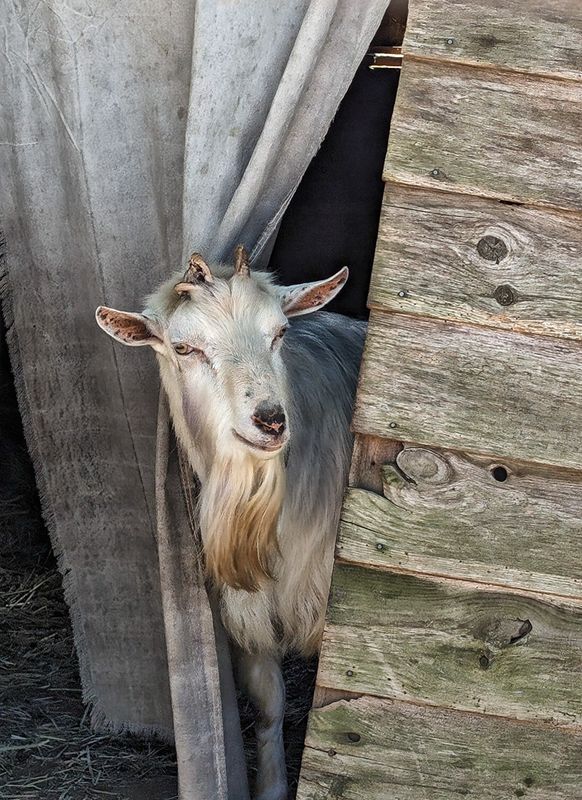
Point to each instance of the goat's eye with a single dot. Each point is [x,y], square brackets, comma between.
[183,349]
[278,336]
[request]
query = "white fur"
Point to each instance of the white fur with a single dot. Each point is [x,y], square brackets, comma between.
[311,374]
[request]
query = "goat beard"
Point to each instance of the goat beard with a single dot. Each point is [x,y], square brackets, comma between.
[240,504]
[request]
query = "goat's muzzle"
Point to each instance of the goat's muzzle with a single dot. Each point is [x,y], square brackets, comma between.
[269,419]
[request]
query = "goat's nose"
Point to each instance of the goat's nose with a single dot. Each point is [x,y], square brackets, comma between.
[269,419]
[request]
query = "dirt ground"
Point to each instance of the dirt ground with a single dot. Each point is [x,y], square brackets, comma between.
[47,749]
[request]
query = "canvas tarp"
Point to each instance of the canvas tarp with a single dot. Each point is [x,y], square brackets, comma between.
[131,134]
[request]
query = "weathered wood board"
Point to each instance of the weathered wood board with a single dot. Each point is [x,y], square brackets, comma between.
[471,518]
[536,36]
[479,261]
[455,617]
[451,643]
[496,134]
[477,389]
[370,453]
[371,749]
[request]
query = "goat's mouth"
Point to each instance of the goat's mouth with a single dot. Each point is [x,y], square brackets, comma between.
[266,447]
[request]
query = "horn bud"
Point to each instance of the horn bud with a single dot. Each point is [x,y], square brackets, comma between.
[198,272]
[241,261]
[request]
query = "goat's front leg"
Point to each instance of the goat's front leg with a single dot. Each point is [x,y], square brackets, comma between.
[260,676]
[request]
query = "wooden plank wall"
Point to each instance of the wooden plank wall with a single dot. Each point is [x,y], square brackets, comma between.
[452,657]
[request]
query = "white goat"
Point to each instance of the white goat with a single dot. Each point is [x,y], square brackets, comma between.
[264,418]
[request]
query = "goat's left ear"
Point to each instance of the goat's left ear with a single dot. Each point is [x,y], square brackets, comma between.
[303,298]
[131,329]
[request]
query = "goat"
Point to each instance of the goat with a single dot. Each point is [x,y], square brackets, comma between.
[261,401]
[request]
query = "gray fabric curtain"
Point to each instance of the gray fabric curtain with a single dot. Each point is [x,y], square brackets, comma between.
[131,134]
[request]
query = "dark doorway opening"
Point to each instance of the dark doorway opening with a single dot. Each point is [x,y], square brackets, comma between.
[332,219]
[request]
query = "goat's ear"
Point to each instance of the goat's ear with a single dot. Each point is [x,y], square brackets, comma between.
[131,329]
[303,298]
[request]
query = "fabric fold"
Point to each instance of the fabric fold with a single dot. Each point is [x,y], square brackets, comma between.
[206,729]
[130,135]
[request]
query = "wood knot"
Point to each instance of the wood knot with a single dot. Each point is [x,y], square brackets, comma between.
[424,466]
[492,248]
[505,295]
[485,660]
[524,630]
[486,41]
[499,633]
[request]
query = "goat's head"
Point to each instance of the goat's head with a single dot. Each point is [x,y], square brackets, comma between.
[220,339]
[219,335]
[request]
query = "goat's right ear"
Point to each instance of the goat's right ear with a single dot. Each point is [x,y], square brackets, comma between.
[303,298]
[131,329]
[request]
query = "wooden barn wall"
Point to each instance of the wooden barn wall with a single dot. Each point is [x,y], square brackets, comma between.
[452,658]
